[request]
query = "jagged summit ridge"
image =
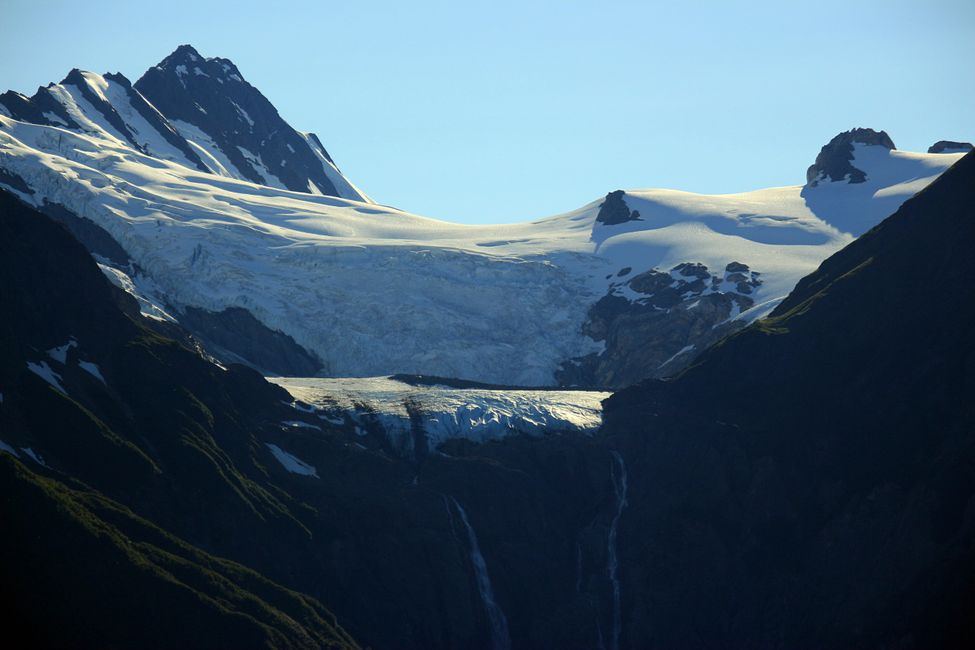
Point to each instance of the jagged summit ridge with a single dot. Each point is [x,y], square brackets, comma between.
[185,59]
[195,111]
[208,99]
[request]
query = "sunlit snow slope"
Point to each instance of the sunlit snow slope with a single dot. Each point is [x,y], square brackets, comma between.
[401,411]
[372,290]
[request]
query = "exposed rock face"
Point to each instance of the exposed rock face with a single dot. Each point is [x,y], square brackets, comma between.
[949,146]
[157,121]
[658,331]
[834,159]
[77,79]
[212,95]
[15,182]
[46,107]
[614,210]
[42,108]
[234,335]
[92,236]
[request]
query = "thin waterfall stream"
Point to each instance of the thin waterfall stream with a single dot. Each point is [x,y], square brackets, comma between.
[500,637]
[618,476]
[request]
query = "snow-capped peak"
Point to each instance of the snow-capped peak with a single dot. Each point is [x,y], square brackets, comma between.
[185,54]
[237,131]
[195,111]
[185,61]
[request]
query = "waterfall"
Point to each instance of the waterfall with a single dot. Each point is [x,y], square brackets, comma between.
[500,638]
[617,471]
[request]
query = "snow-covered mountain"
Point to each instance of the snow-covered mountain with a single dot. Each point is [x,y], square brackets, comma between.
[824,453]
[200,200]
[195,111]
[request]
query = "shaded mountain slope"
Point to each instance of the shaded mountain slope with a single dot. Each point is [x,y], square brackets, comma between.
[169,475]
[809,482]
[89,573]
[115,409]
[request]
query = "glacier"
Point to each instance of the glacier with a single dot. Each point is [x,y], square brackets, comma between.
[444,413]
[373,290]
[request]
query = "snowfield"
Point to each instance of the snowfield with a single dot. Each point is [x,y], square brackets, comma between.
[373,290]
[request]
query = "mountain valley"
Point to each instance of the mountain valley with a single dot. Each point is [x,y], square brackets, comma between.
[242,404]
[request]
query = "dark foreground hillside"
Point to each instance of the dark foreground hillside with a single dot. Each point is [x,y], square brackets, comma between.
[810,482]
[155,426]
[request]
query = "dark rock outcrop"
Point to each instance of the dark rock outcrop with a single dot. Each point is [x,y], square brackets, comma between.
[77,79]
[677,316]
[42,108]
[14,181]
[157,121]
[949,146]
[834,161]
[614,211]
[92,236]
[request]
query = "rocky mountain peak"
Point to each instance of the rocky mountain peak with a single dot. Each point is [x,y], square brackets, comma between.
[209,95]
[190,66]
[74,78]
[192,110]
[182,55]
[834,161]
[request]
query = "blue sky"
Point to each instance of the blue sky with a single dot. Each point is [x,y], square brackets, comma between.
[509,111]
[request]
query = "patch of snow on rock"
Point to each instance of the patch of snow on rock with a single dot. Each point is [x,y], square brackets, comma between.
[298,424]
[93,370]
[44,371]
[34,456]
[291,463]
[60,353]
